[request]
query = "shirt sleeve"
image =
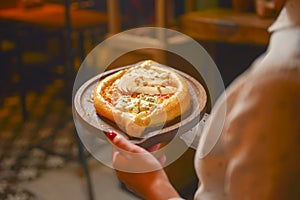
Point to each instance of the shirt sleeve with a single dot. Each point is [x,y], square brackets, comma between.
[260,143]
[264,161]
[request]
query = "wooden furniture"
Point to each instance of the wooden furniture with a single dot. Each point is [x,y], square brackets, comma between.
[53,16]
[53,19]
[57,19]
[136,39]
[226,25]
[232,38]
[114,15]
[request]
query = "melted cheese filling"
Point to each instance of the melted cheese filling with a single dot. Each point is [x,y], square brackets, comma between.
[146,79]
[141,89]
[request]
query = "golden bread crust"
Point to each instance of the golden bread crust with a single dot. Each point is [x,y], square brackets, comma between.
[173,103]
[103,108]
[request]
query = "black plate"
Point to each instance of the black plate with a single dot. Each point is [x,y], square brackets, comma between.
[89,120]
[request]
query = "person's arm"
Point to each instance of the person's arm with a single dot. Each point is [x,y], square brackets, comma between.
[139,170]
[257,155]
[264,162]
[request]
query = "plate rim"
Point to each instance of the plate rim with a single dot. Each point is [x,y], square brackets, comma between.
[167,131]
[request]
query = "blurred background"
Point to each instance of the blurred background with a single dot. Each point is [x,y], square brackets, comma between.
[42,44]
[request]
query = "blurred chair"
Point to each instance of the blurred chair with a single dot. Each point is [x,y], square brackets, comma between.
[21,62]
[72,27]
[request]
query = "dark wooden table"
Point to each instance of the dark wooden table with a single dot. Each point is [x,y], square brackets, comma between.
[226,25]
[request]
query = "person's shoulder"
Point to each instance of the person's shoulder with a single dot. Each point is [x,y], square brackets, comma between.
[271,100]
[274,84]
[270,96]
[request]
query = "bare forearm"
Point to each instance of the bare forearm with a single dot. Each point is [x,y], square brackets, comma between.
[161,190]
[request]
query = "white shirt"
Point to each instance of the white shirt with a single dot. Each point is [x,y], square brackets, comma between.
[257,155]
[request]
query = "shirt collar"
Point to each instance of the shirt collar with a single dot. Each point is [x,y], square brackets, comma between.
[289,16]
